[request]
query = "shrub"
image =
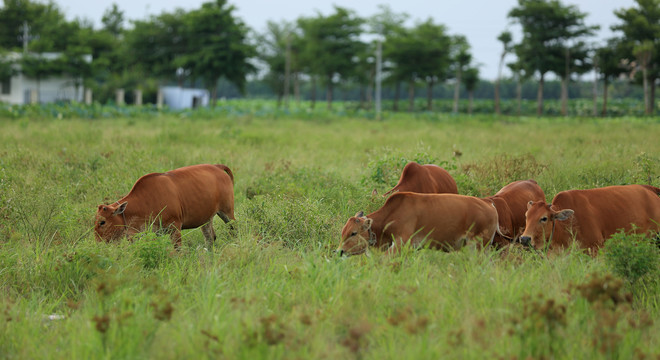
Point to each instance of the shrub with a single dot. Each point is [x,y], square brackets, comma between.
[633,257]
[152,249]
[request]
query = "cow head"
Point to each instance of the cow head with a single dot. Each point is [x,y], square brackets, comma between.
[355,235]
[540,219]
[110,223]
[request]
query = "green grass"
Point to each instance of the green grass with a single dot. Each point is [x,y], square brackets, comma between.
[275,289]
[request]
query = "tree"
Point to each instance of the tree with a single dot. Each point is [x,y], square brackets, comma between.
[471,80]
[420,54]
[113,20]
[330,44]
[609,66]
[641,29]
[506,39]
[521,72]
[550,32]
[216,46]
[387,24]
[155,46]
[38,67]
[461,58]
[275,49]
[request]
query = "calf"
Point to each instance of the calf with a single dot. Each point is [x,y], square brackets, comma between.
[183,198]
[443,221]
[511,204]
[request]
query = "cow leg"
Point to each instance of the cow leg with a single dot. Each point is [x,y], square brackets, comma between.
[209,233]
[226,219]
[175,235]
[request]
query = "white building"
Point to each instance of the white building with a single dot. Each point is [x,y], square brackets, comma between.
[178,98]
[21,89]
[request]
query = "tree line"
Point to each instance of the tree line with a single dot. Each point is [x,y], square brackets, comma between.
[212,47]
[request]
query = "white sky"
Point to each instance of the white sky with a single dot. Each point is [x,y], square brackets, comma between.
[481,21]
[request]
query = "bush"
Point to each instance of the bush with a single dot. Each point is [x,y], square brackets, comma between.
[633,257]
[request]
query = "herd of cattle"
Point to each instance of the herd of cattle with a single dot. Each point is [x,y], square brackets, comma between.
[423,209]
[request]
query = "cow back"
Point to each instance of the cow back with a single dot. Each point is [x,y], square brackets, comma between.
[601,212]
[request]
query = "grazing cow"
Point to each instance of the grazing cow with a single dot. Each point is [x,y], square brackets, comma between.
[426,179]
[591,216]
[511,204]
[446,220]
[183,198]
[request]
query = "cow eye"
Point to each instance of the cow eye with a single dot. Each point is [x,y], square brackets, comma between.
[354,233]
[102,222]
[544,219]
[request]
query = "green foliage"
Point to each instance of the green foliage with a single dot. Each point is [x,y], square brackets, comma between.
[152,250]
[634,257]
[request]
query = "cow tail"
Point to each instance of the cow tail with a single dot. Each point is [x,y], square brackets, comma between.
[228,171]
[497,229]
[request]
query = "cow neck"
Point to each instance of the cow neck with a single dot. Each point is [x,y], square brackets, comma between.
[377,228]
[552,234]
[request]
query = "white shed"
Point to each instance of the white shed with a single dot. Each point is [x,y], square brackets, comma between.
[178,98]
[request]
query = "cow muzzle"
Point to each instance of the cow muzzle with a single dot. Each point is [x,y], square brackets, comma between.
[525,240]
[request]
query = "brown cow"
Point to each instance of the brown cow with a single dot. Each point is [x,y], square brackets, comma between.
[511,204]
[446,220]
[591,216]
[183,198]
[426,179]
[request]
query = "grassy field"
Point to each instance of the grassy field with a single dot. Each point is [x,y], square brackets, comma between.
[275,288]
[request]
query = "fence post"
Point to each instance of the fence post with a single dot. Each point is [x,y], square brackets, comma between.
[88,96]
[119,97]
[34,96]
[138,97]
[159,99]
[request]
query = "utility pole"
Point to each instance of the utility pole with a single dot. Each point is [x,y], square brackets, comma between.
[26,37]
[287,70]
[379,70]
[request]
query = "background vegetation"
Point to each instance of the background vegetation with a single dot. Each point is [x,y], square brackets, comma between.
[275,288]
[333,56]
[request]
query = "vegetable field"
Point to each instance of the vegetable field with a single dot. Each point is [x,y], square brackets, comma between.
[273,287]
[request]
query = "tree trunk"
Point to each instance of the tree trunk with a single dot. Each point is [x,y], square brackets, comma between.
[397,95]
[363,95]
[652,96]
[411,95]
[498,111]
[646,92]
[605,85]
[519,95]
[457,88]
[470,99]
[539,97]
[595,92]
[214,93]
[313,92]
[564,96]
[328,95]
[564,84]
[296,87]
[429,95]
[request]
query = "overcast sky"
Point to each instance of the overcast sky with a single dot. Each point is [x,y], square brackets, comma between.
[480,20]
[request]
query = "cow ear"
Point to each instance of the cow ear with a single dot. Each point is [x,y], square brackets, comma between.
[564,214]
[359,214]
[367,223]
[529,204]
[121,208]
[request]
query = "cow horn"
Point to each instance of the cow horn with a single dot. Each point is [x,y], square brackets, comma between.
[359,214]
